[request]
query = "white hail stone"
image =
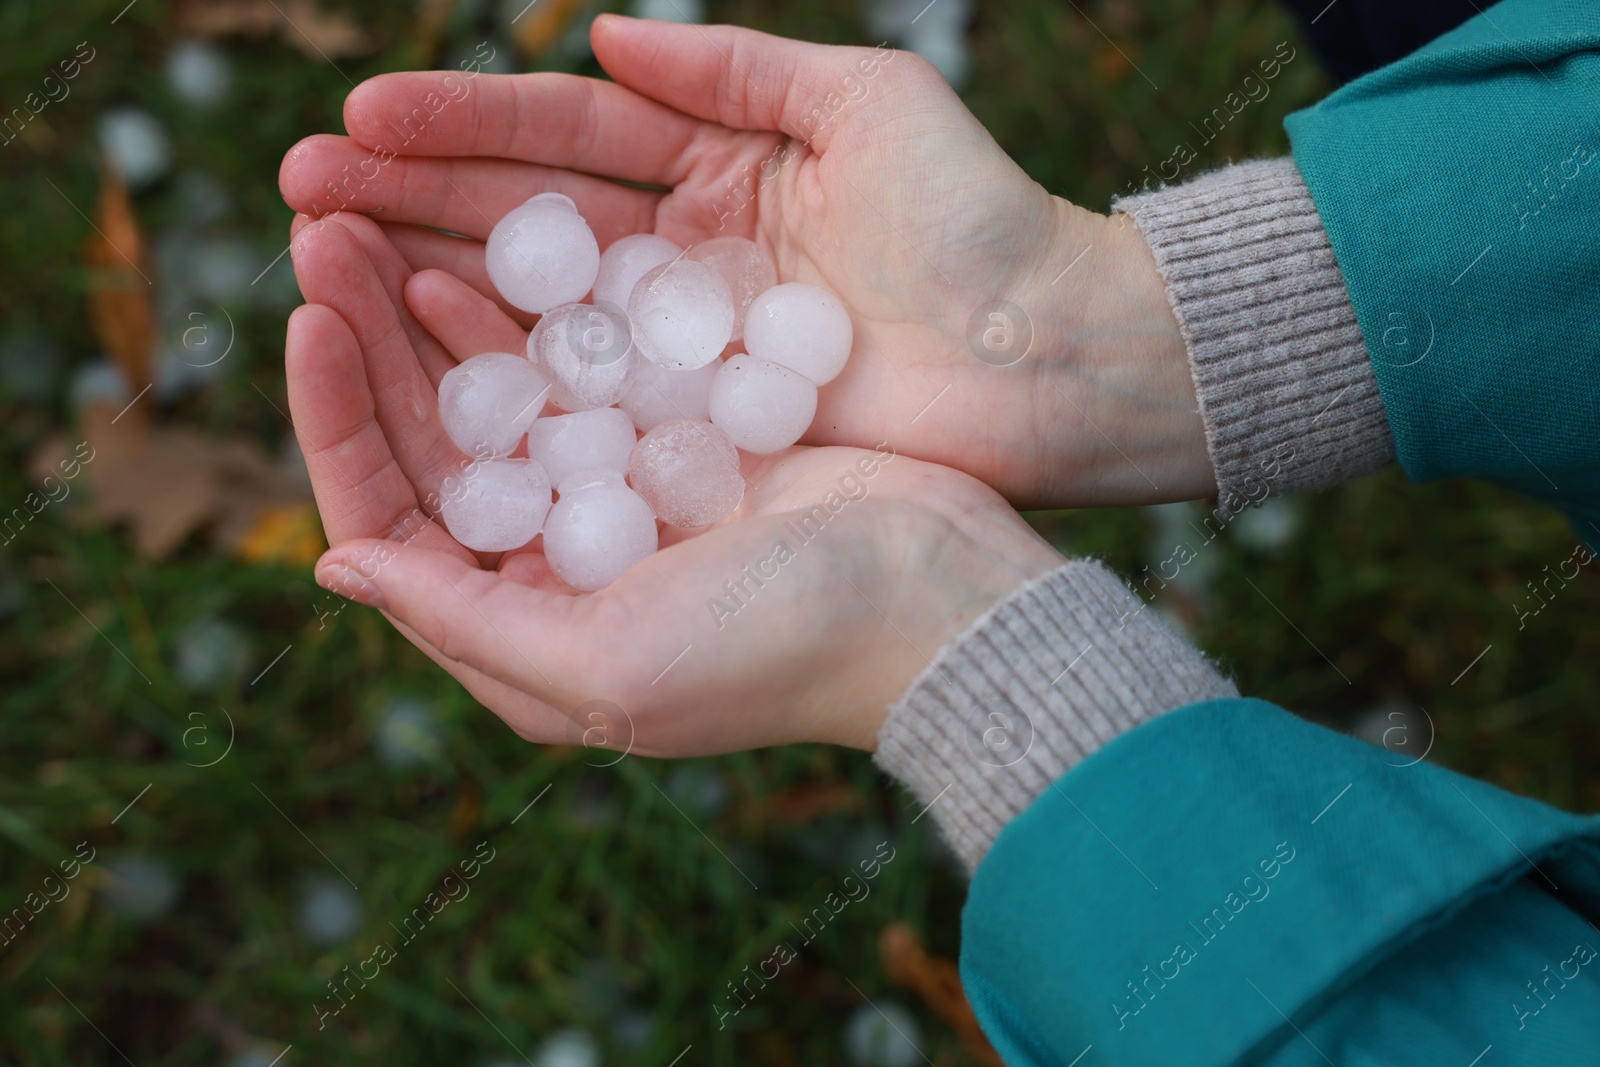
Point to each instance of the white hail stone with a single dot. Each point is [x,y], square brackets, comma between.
[586,350]
[563,444]
[595,534]
[658,394]
[542,255]
[682,314]
[744,266]
[688,472]
[761,406]
[626,261]
[487,403]
[802,327]
[498,504]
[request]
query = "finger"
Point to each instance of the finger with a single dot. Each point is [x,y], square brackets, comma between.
[333,270]
[359,488]
[326,174]
[737,77]
[393,272]
[559,120]
[460,257]
[531,719]
[513,634]
[464,321]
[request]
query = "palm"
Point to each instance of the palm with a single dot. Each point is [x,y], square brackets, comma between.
[666,660]
[899,202]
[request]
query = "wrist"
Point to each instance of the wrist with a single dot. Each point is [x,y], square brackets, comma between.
[1119,420]
[960,558]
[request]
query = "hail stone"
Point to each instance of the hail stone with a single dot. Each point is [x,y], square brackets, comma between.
[487,403]
[659,394]
[596,533]
[688,472]
[761,406]
[626,261]
[682,314]
[802,327]
[542,255]
[586,352]
[747,270]
[563,444]
[500,504]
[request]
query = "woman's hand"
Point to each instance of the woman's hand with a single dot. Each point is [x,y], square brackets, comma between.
[801,617]
[859,170]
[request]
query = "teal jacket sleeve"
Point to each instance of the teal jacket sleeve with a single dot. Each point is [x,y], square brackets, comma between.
[1229,884]
[1460,189]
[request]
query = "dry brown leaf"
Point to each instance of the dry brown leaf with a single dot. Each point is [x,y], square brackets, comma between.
[121,295]
[303,25]
[432,18]
[809,802]
[468,807]
[166,483]
[938,982]
[538,28]
[290,535]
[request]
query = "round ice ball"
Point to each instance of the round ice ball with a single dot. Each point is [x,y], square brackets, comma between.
[140,887]
[542,255]
[593,535]
[744,266]
[487,403]
[586,350]
[626,261]
[688,472]
[198,72]
[136,144]
[408,734]
[802,327]
[568,1048]
[329,912]
[500,504]
[761,406]
[591,478]
[659,394]
[603,437]
[682,314]
[883,1035]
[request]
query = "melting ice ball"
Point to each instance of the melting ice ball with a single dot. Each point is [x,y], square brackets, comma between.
[562,444]
[542,254]
[802,327]
[682,314]
[488,402]
[586,350]
[596,533]
[688,472]
[761,406]
[626,261]
[747,270]
[500,504]
[658,394]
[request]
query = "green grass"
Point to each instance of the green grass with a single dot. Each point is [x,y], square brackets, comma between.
[604,905]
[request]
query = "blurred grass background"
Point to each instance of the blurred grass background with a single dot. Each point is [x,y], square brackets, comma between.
[618,907]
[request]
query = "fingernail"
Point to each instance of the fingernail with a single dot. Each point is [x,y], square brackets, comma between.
[351,584]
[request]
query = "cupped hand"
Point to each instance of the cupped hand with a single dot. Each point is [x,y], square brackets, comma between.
[857,169]
[800,617]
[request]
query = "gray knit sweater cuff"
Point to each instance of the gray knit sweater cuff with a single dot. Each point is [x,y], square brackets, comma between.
[1286,388]
[1043,679]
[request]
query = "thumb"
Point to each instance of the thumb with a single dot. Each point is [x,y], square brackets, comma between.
[507,631]
[737,77]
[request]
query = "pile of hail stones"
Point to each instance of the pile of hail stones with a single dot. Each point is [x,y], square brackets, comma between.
[646,416]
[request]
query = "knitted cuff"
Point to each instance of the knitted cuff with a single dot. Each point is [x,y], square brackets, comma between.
[1044,678]
[1286,388]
